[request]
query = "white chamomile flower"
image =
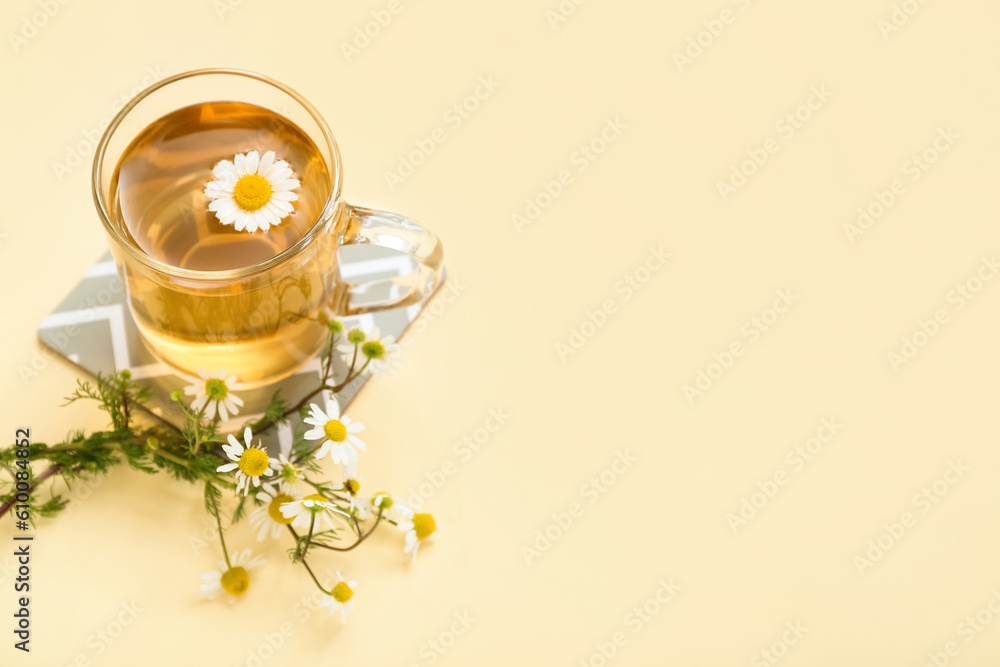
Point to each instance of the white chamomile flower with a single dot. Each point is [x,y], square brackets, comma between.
[288,473]
[337,432]
[393,510]
[233,579]
[381,354]
[351,486]
[268,519]
[251,462]
[213,391]
[418,528]
[311,510]
[252,192]
[340,598]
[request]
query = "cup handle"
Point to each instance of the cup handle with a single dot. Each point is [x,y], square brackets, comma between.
[388,230]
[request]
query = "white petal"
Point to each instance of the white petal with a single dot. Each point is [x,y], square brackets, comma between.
[276,211]
[269,215]
[283,208]
[332,409]
[284,195]
[198,403]
[230,218]
[241,165]
[287,184]
[235,444]
[280,172]
[224,207]
[261,221]
[266,162]
[253,159]
[227,467]
[225,171]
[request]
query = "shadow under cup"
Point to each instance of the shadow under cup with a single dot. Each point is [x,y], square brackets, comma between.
[263,321]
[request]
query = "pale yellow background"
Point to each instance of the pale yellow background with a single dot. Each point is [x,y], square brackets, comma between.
[136,539]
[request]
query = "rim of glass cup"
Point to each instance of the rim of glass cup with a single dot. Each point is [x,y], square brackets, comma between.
[225,274]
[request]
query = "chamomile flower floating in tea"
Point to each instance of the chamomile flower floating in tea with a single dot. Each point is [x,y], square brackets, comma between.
[268,519]
[252,192]
[337,432]
[251,462]
[340,598]
[232,577]
[213,392]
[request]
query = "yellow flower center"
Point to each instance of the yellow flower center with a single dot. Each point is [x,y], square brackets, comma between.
[274,509]
[290,472]
[383,501]
[252,192]
[235,581]
[373,349]
[424,525]
[253,462]
[342,592]
[216,389]
[352,486]
[335,430]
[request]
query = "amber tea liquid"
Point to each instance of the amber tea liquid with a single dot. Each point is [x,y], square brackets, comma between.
[259,328]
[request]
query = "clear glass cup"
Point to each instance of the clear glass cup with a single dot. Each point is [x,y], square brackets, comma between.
[260,322]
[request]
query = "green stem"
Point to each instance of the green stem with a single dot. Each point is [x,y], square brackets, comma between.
[263,426]
[312,526]
[222,539]
[306,565]
[361,538]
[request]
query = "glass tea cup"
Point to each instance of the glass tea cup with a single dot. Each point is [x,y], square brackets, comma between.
[263,320]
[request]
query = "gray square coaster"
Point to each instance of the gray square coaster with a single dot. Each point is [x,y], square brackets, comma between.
[93,328]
